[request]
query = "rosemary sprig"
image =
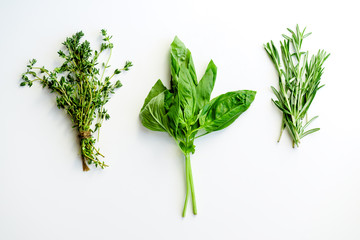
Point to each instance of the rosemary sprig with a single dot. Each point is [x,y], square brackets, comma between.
[81,89]
[299,81]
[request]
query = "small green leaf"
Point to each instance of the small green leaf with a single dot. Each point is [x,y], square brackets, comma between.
[309,122]
[309,132]
[118,84]
[61,54]
[127,66]
[306,35]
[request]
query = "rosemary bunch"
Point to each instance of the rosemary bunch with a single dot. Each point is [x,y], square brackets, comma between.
[299,81]
[81,88]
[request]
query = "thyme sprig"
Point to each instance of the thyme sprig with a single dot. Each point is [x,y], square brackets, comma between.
[82,89]
[299,81]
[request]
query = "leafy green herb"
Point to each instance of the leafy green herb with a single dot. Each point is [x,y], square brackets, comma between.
[185,111]
[299,81]
[82,90]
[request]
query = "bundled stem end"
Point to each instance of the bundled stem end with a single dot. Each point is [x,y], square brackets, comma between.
[84,165]
[84,135]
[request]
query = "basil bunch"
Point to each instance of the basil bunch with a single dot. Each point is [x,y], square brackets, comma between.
[185,111]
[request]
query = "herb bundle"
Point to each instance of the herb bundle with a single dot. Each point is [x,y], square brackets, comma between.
[186,112]
[299,81]
[82,90]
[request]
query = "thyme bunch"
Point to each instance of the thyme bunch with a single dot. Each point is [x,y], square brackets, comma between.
[82,89]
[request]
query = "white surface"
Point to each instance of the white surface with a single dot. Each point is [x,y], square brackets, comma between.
[248,186]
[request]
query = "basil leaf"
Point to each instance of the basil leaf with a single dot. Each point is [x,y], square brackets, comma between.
[153,115]
[180,57]
[178,50]
[206,85]
[155,90]
[191,67]
[174,114]
[225,109]
[187,94]
[175,68]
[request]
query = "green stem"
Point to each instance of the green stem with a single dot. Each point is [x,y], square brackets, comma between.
[283,126]
[187,160]
[102,76]
[106,65]
[96,150]
[189,186]
[192,188]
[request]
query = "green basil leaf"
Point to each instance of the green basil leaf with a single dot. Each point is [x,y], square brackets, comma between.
[223,110]
[180,56]
[175,68]
[206,85]
[174,113]
[178,50]
[177,58]
[153,115]
[155,90]
[191,67]
[187,94]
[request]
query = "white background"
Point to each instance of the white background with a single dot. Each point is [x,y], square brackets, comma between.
[248,186]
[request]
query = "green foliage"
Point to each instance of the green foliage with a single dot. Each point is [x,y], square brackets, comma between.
[81,88]
[185,111]
[299,81]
